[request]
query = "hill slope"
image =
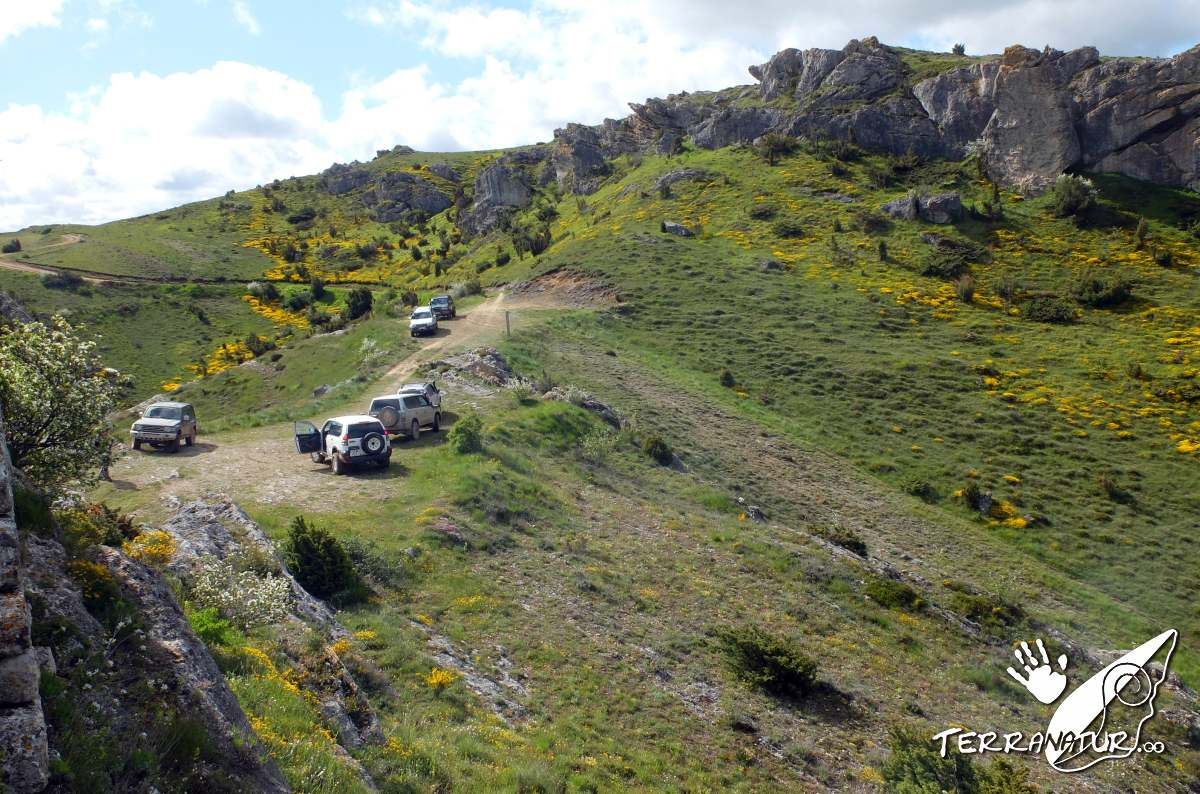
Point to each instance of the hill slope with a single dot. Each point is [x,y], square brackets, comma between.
[997,390]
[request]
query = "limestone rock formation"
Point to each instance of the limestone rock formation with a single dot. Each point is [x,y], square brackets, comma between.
[499,187]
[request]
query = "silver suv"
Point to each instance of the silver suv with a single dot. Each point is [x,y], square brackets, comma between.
[165,425]
[406,414]
[427,388]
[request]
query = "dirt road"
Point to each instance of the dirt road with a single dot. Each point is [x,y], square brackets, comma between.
[261,464]
[9,261]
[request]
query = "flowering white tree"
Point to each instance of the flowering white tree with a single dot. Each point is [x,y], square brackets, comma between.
[56,395]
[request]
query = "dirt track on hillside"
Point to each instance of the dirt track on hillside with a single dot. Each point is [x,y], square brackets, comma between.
[261,464]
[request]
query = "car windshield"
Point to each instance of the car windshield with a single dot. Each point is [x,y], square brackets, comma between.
[163,412]
[420,314]
[442,301]
[384,402]
[362,428]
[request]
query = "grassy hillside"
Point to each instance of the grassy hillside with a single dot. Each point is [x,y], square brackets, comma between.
[1004,409]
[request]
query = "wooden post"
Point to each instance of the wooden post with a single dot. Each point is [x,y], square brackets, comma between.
[507,325]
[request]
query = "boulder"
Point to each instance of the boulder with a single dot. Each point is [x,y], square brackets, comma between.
[936,208]
[682,175]
[678,229]
[445,171]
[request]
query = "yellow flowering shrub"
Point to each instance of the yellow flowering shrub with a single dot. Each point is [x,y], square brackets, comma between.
[153,547]
[439,678]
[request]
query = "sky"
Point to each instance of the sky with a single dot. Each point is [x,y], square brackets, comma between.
[115,108]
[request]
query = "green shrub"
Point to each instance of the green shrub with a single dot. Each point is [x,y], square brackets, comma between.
[845,538]
[1072,196]
[358,302]
[922,489]
[964,287]
[657,450]
[321,565]
[32,509]
[959,49]
[727,380]
[773,664]
[1049,309]
[1101,290]
[11,247]
[503,258]
[945,264]
[264,291]
[916,766]
[1164,258]
[1139,234]
[992,613]
[211,627]
[466,435]
[774,145]
[892,594]
[61,279]
[762,212]
[787,227]
[316,287]
[883,251]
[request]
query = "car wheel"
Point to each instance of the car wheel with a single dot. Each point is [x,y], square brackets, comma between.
[383,463]
[338,466]
[137,444]
[416,430]
[437,422]
[373,443]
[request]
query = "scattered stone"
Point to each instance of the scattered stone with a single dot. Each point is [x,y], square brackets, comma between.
[445,171]
[672,227]
[769,265]
[743,723]
[940,208]
[321,390]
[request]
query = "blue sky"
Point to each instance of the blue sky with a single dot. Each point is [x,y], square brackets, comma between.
[112,108]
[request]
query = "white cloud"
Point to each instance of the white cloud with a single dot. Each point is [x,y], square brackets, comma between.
[17,16]
[245,18]
[143,142]
[97,25]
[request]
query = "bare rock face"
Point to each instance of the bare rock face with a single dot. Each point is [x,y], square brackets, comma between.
[498,187]
[24,753]
[960,103]
[735,125]
[340,178]
[1030,138]
[578,158]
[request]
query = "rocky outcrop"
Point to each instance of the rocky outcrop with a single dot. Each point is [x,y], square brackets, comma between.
[578,159]
[445,171]
[499,188]
[398,195]
[24,753]
[1031,114]
[340,178]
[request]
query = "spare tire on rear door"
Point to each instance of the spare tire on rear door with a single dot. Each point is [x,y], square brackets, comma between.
[373,443]
[389,416]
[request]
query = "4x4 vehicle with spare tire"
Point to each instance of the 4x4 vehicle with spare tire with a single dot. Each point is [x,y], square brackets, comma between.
[166,424]
[406,414]
[442,307]
[345,441]
[428,388]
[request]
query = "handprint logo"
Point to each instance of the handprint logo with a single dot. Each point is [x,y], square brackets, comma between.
[1041,679]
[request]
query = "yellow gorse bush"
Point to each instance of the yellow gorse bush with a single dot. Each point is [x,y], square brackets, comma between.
[439,678]
[153,547]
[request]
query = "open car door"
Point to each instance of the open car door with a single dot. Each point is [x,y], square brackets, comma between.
[308,438]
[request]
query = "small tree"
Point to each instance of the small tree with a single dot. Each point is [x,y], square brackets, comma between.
[11,247]
[1140,233]
[774,145]
[1072,195]
[358,302]
[317,287]
[320,564]
[56,395]
[959,49]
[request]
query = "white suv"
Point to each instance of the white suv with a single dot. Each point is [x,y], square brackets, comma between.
[422,322]
[345,441]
